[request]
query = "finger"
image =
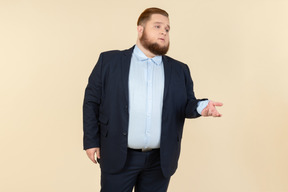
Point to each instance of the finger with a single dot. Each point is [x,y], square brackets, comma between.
[216,114]
[92,158]
[98,153]
[91,155]
[217,104]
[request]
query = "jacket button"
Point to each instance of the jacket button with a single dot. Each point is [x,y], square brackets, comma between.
[124,133]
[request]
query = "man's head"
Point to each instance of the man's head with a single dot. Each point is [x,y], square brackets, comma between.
[153,31]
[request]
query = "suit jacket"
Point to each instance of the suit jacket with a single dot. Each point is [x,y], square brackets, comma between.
[106,115]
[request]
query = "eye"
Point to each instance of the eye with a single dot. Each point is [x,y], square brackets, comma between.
[167,30]
[157,26]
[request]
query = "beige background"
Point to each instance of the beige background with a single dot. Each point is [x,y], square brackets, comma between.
[237,53]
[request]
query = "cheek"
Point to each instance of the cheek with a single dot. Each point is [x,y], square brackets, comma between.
[167,39]
[154,38]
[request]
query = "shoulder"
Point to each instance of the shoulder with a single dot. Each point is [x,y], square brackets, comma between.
[114,56]
[117,53]
[111,52]
[111,58]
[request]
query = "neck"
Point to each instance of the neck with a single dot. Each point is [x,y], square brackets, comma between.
[145,51]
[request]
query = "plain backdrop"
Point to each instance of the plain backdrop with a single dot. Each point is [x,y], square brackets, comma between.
[237,54]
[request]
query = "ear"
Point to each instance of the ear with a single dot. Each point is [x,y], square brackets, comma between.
[140,29]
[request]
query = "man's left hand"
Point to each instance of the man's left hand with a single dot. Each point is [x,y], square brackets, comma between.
[211,110]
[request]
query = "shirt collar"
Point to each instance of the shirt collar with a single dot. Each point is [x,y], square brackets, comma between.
[142,57]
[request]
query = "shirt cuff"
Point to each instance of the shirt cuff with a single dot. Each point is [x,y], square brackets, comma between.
[201,105]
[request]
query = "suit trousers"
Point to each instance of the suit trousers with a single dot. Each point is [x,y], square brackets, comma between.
[141,171]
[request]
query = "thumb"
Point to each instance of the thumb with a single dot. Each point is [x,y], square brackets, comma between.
[98,153]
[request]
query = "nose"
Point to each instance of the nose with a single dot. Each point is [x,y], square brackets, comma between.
[164,32]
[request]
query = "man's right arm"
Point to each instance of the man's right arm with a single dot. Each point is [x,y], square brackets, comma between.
[92,101]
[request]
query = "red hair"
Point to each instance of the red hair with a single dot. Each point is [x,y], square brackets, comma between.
[146,14]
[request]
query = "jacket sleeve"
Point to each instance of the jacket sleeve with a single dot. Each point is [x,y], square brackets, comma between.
[192,102]
[91,105]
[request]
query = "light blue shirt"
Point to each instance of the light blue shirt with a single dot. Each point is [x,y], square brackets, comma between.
[146,88]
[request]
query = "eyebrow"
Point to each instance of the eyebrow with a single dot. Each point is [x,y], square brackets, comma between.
[157,22]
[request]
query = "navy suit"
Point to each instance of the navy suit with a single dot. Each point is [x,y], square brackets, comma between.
[106,114]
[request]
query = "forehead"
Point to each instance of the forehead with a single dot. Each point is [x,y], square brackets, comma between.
[157,18]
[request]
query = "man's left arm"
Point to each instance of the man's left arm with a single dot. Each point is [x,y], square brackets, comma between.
[197,107]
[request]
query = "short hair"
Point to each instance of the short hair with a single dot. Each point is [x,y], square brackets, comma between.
[146,15]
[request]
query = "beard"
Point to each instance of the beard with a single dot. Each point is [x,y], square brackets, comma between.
[154,48]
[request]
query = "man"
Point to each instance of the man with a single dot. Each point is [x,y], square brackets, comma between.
[134,109]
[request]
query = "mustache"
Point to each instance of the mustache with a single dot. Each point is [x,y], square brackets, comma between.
[153,47]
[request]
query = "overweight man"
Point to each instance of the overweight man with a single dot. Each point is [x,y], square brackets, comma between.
[135,105]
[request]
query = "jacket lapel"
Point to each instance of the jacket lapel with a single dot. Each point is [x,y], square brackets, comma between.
[167,75]
[125,67]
